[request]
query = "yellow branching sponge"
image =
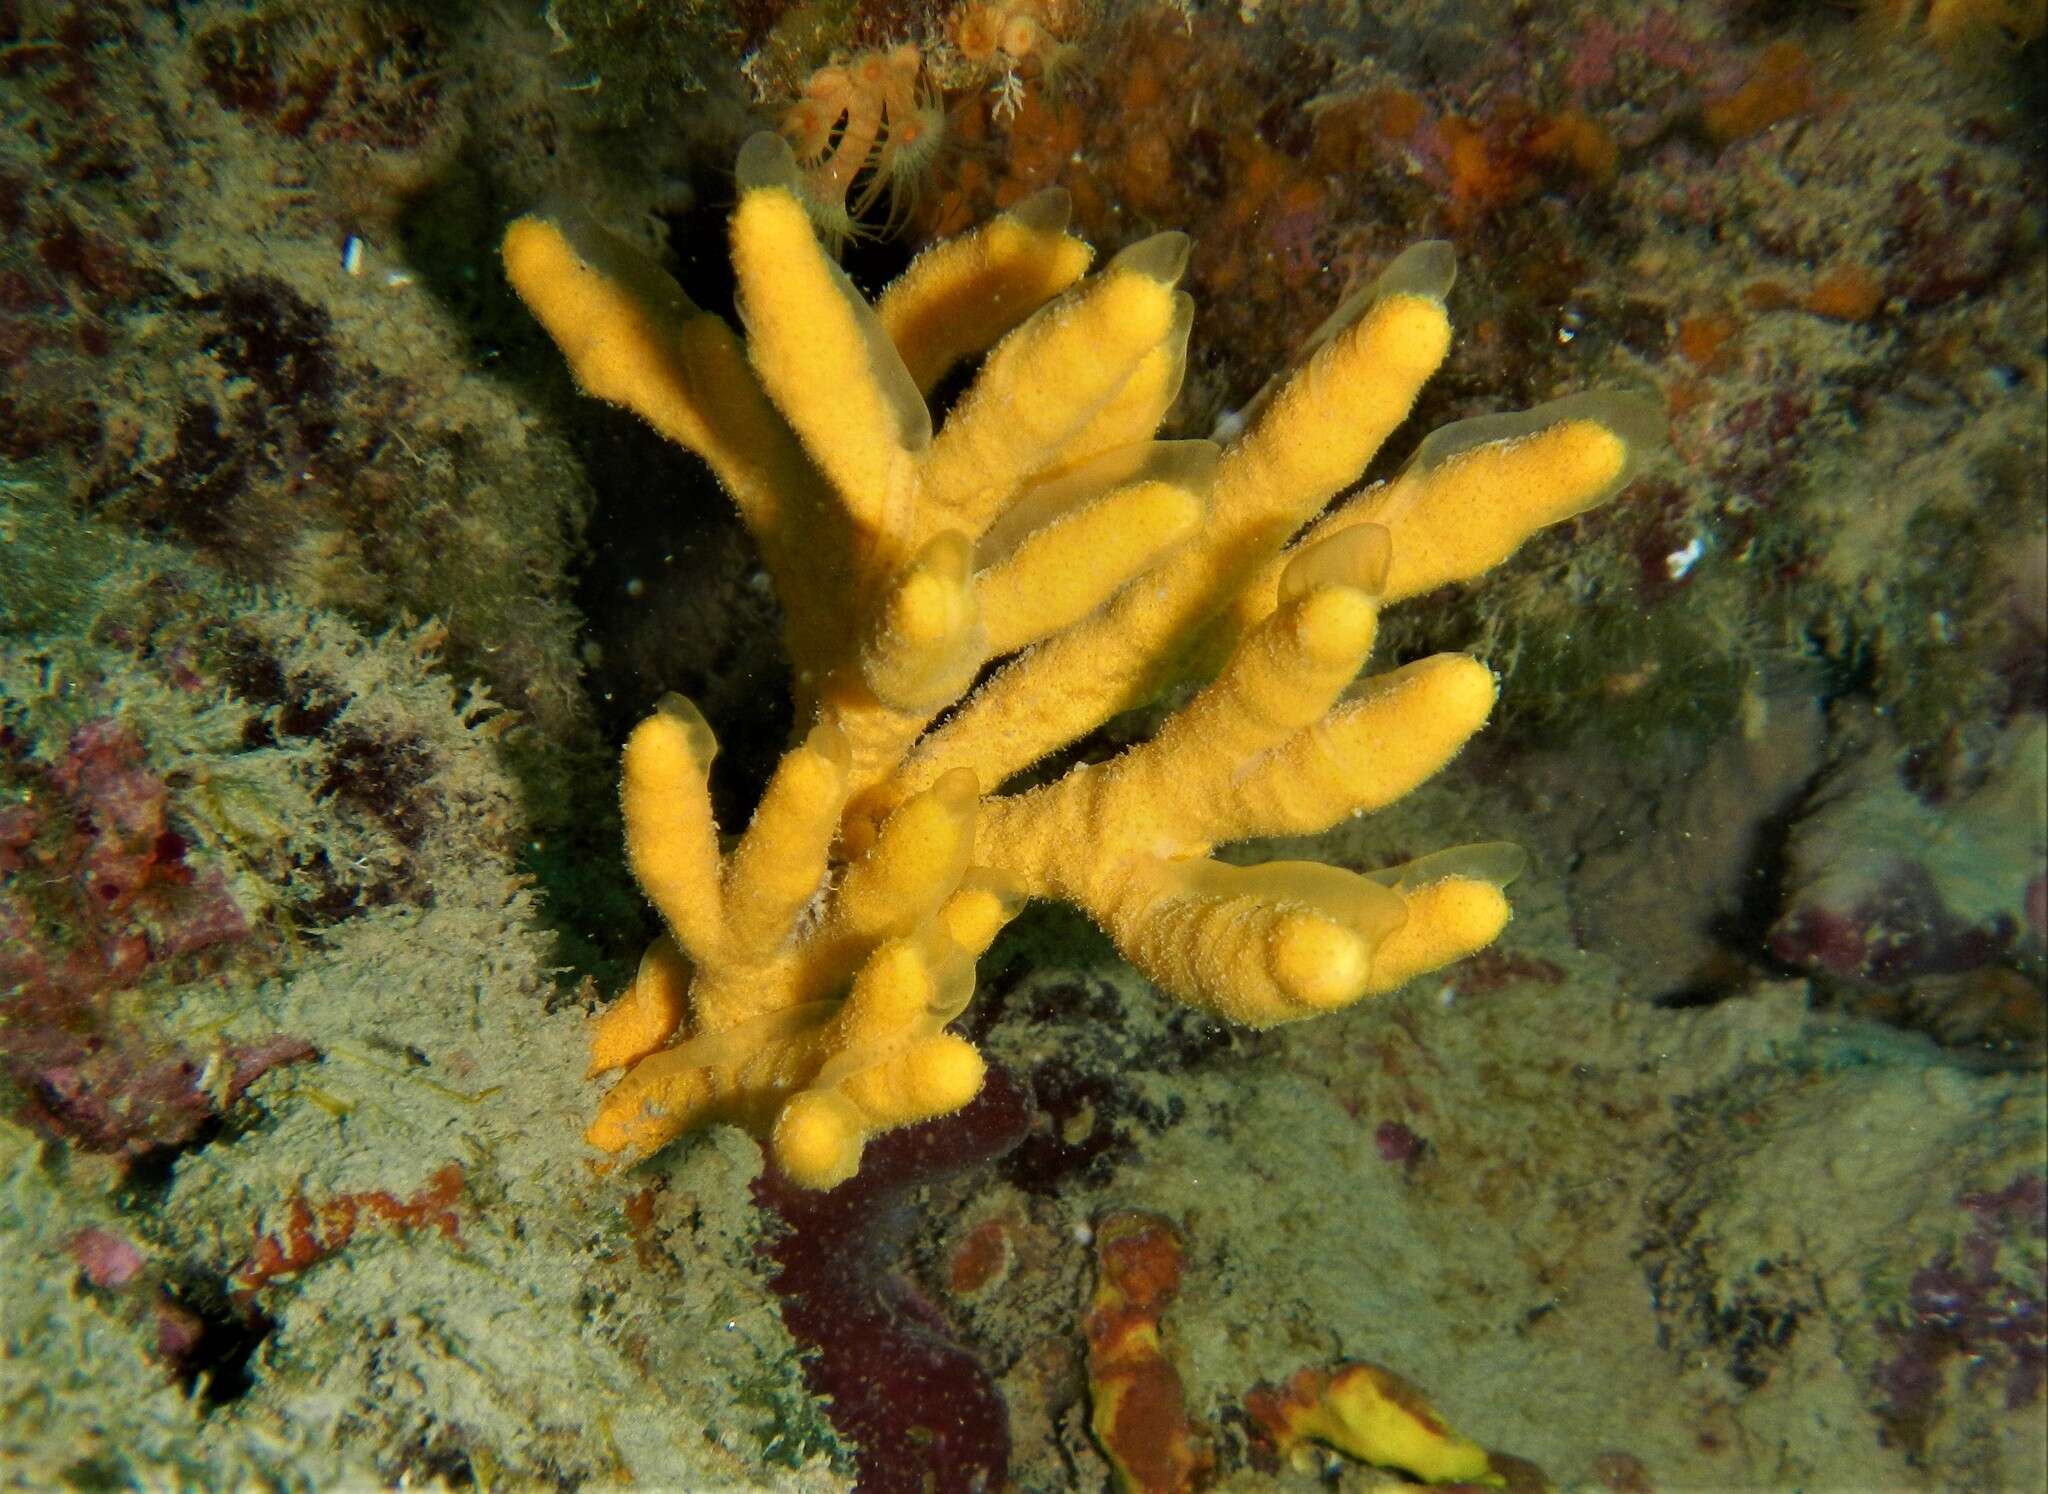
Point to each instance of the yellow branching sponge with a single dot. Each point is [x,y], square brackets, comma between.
[811,966]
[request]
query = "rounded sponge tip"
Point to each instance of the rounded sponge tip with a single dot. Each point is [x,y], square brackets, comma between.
[1447,920]
[818,1139]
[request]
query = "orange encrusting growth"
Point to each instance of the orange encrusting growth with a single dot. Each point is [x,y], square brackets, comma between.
[1848,293]
[310,1234]
[1952,23]
[1138,1406]
[1780,87]
[1171,94]
[1706,339]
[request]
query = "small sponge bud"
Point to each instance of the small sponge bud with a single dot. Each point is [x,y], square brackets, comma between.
[766,161]
[671,840]
[984,904]
[1333,627]
[1447,920]
[647,1014]
[1426,271]
[1495,861]
[928,640]
[1046,211]
[1475,490]
[1260,944]
[818,1139]
[944,1073]
[684,735]
[1316,962]
[1163,257]
[916,861]
[1355,557]
[934,1076]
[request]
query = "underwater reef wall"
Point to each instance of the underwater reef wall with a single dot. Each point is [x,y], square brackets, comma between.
[326,602]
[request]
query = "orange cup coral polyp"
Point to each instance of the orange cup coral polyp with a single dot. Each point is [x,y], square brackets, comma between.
[873,120]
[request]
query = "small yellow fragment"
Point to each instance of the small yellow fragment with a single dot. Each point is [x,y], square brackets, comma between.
[1373,1415]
